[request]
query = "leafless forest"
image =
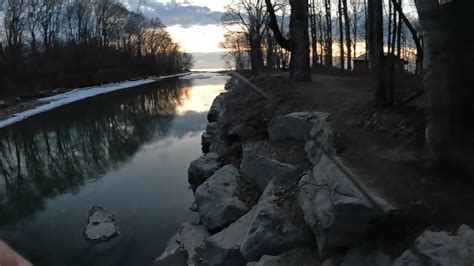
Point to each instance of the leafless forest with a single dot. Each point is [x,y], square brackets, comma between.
[48,44]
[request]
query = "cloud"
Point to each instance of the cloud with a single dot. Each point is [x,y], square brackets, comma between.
[182,13]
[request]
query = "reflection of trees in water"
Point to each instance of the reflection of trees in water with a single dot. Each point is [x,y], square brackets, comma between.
[43,158]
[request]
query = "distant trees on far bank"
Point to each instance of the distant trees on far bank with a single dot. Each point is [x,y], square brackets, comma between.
[48,44]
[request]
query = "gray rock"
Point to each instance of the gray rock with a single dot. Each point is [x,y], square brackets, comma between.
[278,225]
[206,141]
[338,209]
[201,169]
[295,257]
[216,109]
[441,249]
[332,261]
[223,248]
[366,255]
[184,248]
[320,140]
[294,125]
[193,207]
[259,168]
[221,147]
[100,225]
[221,118]
[212,128]
[241,132]
[219,201]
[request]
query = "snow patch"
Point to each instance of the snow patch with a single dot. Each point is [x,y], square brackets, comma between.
[77,95]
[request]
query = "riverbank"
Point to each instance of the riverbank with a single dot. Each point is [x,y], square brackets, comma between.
[294,174]
[21,108]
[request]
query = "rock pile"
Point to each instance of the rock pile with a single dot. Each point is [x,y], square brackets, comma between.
[289,201]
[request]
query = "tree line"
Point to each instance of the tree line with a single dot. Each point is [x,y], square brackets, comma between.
[338,32]
[443,54]
[48,44]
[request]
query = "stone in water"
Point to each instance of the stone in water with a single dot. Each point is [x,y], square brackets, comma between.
[101,225]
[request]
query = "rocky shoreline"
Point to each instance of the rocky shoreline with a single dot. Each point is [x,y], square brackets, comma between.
[270,190]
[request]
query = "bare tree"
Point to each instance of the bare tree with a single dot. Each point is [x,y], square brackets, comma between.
[236,45]
[298,43]
[356,10]
[414,34]
[252,17]
[33,18]
[14,22]
[49,21]
[79,20]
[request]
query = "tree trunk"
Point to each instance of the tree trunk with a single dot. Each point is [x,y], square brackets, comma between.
[314,36]
[448,42]
[389,28]
[327,4]
[300,70]
[394,31]
[348,34]
[414,34]
[399,35]
[341,36]
[367,31]
[256,55]
[270,51]
[377,53]
[298,44]
[320,37]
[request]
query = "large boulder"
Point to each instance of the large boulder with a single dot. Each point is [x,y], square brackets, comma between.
[206,141]
[212,128]
[216,109]
[320,140]
[441,249]
[222,146]
[278,224]
[185,247]
[261,163]
[302,256]
[223,248]
[310,127]
[100,225]
[242,132]
[295,125]
[223,198]
[337,208]
[203,168]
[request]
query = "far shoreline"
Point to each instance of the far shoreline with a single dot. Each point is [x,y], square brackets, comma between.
[23,109]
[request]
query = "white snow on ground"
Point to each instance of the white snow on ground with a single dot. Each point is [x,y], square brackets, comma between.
[77,95]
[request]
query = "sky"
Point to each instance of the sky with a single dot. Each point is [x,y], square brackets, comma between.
[192,23]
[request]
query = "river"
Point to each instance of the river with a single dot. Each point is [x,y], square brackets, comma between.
[127,151]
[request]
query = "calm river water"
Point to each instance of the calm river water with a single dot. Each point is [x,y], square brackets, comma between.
[127,151]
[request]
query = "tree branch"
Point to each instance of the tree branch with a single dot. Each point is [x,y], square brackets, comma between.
[410,27]
[273,24]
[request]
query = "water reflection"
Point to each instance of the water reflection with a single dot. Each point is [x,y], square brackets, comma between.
[127,151]
[57,153]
